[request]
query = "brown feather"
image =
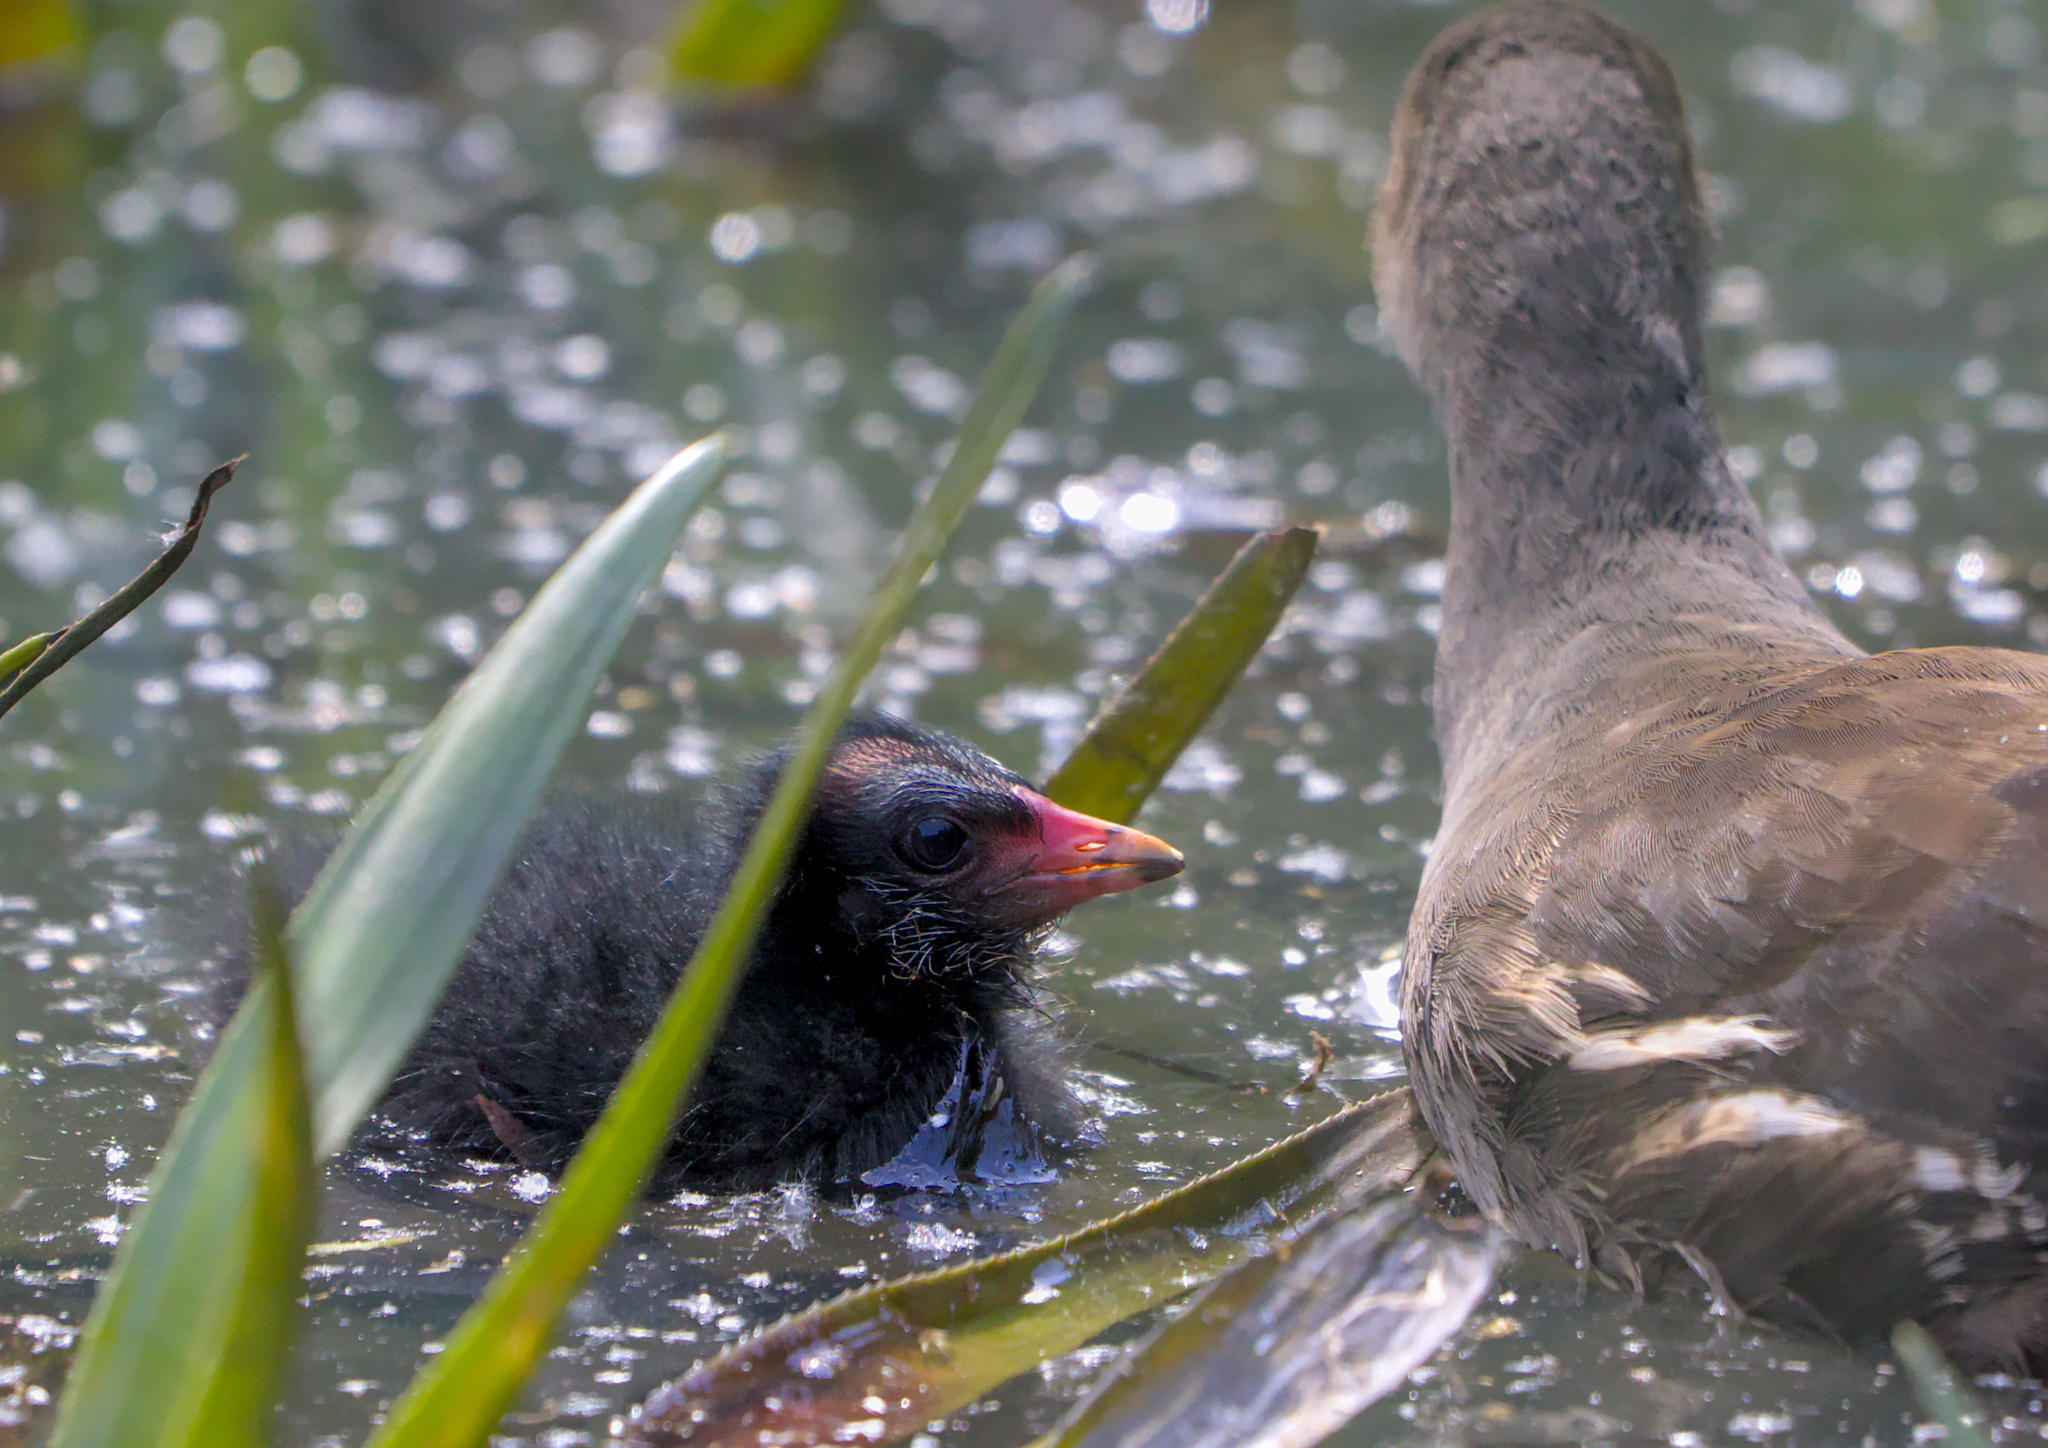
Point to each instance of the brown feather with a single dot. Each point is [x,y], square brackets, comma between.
[1734,941]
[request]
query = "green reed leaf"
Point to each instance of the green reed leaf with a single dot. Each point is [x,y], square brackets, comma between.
[1941,1392]
[1286,1348]
[383,926]
[186,1341]
[460,1398]
[1136,737]
[923,1346]
[186,1345]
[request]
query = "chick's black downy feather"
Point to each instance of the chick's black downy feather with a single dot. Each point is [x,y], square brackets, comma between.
[894,976]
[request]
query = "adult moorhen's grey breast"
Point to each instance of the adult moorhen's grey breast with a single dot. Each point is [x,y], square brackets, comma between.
[1734,940]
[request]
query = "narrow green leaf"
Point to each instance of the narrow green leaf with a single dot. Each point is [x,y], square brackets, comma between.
[187,1341]
[750,42]
[383,926]
[460,1398]
[24,653]
[1126,751]
[180,1348]
[1940,1392]
[1135,739]
[923,1346]
[1288,1347]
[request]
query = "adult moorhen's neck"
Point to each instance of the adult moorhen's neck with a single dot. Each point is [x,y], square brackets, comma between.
[1540,252]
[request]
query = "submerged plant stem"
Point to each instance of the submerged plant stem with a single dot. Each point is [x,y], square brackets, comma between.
[61,647]
[1939,1390]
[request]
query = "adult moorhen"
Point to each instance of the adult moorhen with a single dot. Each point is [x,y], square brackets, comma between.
[887,1028]
[1734,940]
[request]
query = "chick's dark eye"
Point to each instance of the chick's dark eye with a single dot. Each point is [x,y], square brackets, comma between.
[934,844]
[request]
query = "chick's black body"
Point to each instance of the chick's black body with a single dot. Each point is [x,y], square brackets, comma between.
[1734,940]
[827,1062]
[892,978]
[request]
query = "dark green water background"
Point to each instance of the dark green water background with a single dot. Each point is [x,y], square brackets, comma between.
[455,276]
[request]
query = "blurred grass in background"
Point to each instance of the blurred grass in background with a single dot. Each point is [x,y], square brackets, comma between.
[36,31]
[750,42]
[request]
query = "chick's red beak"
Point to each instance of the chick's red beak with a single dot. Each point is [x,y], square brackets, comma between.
[1076,858]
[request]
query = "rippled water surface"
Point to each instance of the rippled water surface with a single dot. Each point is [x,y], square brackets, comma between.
[455,275]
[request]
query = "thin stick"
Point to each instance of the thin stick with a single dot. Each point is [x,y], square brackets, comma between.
[72,641]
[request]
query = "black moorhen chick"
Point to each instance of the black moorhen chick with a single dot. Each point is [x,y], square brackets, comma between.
[887,1029]
[1734,941]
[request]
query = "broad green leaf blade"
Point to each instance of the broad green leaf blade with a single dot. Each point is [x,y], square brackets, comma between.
[926,1345]
[1288,1347]
[460,1398]
[750,42]
[187,1340]
[1940,1392]
[1134,741]
[383,926]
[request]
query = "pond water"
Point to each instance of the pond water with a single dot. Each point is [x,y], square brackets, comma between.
[455,275]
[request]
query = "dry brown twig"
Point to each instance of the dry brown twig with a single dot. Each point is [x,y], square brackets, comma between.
[1323,1052]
